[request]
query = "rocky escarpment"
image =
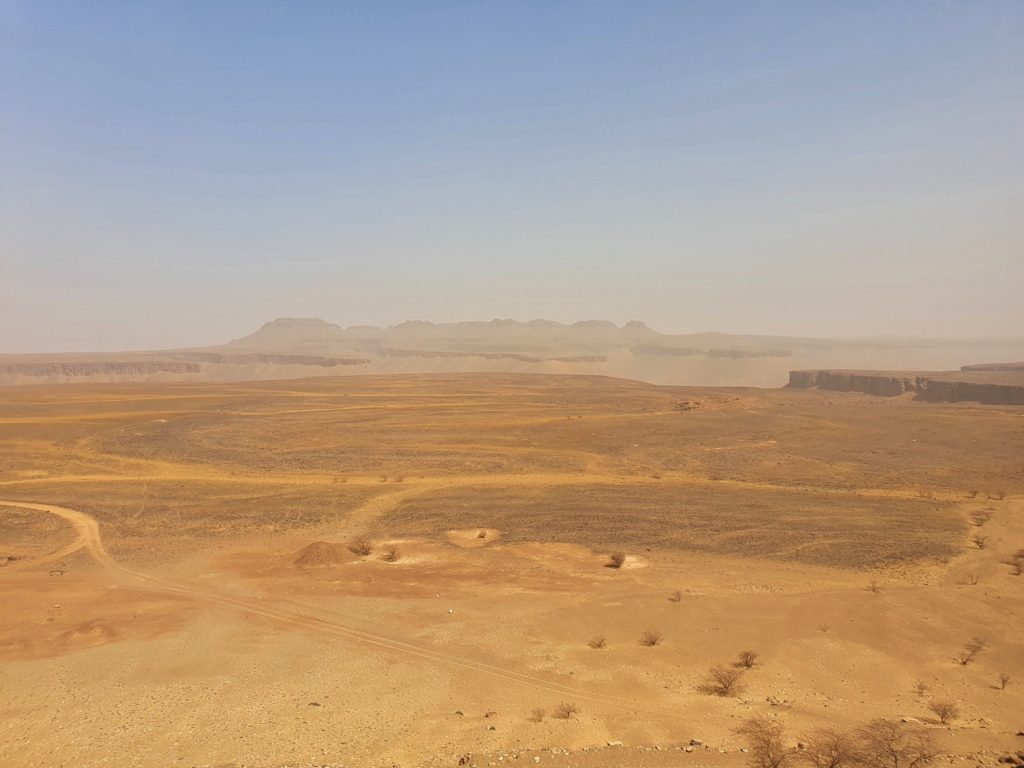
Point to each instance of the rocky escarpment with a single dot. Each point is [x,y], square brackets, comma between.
[256,358]
[994,367]
[939,387]
[127,369]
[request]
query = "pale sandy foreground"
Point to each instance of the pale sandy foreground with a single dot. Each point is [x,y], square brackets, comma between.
[155,614]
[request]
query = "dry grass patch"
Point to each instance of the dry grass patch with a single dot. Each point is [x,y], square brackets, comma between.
[615,560]
[361,547]
[565,710]
[650,638]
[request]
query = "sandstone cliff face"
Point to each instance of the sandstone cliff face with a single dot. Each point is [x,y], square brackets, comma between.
[994,367]
[941,387]
[126,369]
[256,358]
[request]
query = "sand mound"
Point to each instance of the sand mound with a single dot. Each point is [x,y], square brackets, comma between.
[321,554]
[96,632]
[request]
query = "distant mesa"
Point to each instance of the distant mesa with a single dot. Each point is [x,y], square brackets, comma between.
[295,347]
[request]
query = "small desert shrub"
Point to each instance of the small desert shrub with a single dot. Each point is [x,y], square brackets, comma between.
[650,638]
[747,659]
[615,560]
[886,744]
[980,517]
[765,738]
[824,627]
[874,586]
[565,710]
[973,578]
[1016,562]
[361,547]
[828,748]
[979,541]
[1004,680]
[676,596]
[481,534]
[972,494]
[390,555]
[723,681]
[946,711]
[920,688]
[537,716]
[597,641]
[971,649]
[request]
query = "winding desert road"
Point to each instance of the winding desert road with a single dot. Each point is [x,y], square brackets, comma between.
[89,538]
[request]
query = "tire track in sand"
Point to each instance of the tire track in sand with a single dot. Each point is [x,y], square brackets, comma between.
[89,538]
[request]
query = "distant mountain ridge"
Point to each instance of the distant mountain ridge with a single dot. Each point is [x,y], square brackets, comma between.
[292,347]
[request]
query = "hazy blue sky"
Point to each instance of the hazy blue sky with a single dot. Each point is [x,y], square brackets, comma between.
[176,173]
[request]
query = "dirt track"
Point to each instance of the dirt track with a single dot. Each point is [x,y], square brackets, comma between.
[90,539]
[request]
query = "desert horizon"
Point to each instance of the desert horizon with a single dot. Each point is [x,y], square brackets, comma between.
[483,385]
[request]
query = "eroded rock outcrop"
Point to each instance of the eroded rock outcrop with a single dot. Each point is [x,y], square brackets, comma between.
[938,387]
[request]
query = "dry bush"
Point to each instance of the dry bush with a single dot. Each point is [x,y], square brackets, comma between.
[537,716]
[971,649]
[944,710]
[886,744]
[390,555]
[747,659]
[920,688]
[676,596]
[723,681]
[824,627]
[615,560]
[597,641]
[979,541]
[829,748]
[973,494]
[565,710]
[361,547]
[481,534]
[1016,562]
[973,578]
[1004,680]
[650,638]
[874,586]
[764,737]
[980,517]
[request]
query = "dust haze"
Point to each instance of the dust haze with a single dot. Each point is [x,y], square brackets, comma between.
[580,385]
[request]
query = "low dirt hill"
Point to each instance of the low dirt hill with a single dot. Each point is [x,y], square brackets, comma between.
[322,554]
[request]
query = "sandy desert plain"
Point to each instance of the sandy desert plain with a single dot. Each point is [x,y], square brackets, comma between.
[183,579]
